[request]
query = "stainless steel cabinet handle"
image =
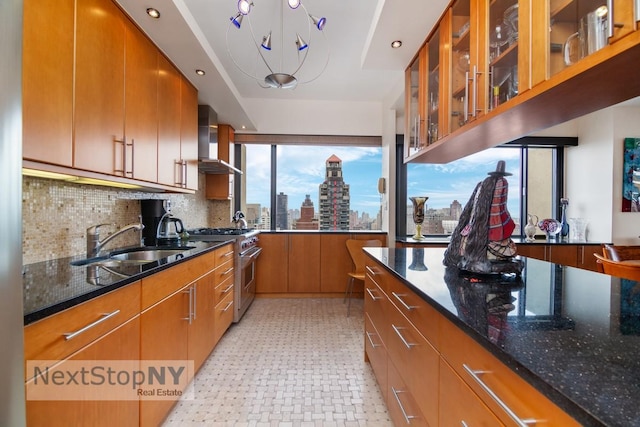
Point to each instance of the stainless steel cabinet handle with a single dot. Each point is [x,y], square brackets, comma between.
[374,345]
[178,175]
[476,377]
[228,306]
[463,424]
[229,270]
[373,297]
[404,341]
[184,173]
[371,270]
[407,417]
[228,289]
[399,298]
[123,155]
[228,254]
[195,299]
[133,151]
[105,316]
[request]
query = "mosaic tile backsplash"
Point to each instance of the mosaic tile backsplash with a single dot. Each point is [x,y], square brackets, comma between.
[56,215]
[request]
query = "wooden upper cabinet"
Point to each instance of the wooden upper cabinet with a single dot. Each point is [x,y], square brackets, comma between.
[220,186]
[189,135]
[169,109]
[141,101]
[47,81]
[99,87]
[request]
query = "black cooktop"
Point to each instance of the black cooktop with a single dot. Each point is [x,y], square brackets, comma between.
[219,231]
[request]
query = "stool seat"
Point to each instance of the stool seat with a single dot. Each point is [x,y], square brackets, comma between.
[354,246]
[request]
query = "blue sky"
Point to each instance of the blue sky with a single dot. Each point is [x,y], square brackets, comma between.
[302,169]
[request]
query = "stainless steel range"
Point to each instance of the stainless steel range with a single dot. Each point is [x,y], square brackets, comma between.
[246,252]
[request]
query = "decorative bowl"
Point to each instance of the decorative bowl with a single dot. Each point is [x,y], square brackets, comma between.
[550,226]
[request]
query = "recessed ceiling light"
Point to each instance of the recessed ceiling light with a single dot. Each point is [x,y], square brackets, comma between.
[154,13]
[200,72]
[396,44]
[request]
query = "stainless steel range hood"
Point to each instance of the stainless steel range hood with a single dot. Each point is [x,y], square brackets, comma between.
[208,161]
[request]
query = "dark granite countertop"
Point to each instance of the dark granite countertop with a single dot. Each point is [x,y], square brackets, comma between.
[444,240]
[573,334]
[55,285]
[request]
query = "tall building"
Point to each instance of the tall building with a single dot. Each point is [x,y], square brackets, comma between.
[282,208]
[307,219]
[252,216]
[334,197]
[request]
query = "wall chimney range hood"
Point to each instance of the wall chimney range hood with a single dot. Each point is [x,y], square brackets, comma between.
[208,161]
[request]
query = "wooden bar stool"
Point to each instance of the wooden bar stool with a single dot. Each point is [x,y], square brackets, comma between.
[354,247]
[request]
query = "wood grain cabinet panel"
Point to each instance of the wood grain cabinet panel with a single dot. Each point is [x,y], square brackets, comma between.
[220,186]
[335,258]
[169,109]
[47,81]
[122,343]
[189,134]
[304,263]
[401,403]
[272,265]
[99,87]
[141,106]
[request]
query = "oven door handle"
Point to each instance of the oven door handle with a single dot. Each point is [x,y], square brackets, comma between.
[251,253]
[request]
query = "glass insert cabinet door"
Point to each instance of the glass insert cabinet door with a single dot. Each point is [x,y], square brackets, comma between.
[433,88]
[580,28]
[503,42]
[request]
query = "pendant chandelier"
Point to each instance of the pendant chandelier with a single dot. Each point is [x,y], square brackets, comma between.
[280,66]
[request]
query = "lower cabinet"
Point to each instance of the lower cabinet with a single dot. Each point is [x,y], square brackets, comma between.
[177,314]
[571,255]
[122,343]
[431,373]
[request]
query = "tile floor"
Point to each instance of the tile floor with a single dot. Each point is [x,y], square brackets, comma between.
[289,362]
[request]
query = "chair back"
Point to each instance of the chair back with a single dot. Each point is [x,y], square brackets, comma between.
[354,247]
[620,252]
[619,268]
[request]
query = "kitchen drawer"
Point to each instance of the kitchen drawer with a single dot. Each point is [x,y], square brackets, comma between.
[49,339]
[223,254]
[496,384]
[401,404]
[459,405]
[162,284]
[375,302]
[416,361]
[379,275]
[418,311]
[376,354]
[224,271]
[223,316]
[223,289]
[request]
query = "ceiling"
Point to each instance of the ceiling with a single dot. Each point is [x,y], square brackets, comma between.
[362,66]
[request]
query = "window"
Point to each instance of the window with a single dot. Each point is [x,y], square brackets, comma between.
[313,187]
[534,186]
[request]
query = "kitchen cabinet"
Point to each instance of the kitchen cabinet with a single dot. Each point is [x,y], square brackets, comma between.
[97,99]
[141,106]
[220,186]
[99,87]
[519,79]
[169,108]
[201,340]
[415,104]
[104,328]
[303,266]
[436,374]
[572,255]
[306,262]
[188,135]
[47,81]
[121,343]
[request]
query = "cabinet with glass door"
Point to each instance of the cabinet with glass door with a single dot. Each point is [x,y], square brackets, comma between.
[572,30]
[415,108]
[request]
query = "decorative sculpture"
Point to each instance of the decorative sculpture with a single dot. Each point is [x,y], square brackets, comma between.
[481,243]
[418,215]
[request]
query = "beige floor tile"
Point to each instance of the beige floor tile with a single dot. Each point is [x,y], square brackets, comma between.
[288,363]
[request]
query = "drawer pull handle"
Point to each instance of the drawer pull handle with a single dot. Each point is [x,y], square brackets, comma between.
[229,270]
[374,345]
[228,289]
[476,377]
[105,316]
[404,341]
[371,271]
[190,316]
[227,254]
[373,297]
[228,306]
[399,298]
[407,418]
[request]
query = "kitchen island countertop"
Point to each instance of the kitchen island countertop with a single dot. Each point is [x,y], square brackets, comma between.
[55,285]
[573,334]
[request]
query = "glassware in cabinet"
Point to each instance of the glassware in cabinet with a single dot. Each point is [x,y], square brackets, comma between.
[460,63]
[415,88]
[433,90]
[503,41]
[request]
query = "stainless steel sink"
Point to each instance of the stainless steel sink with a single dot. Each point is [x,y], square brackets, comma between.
[135,256]
[146,255]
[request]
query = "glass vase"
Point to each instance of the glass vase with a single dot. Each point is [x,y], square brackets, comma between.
[418,215]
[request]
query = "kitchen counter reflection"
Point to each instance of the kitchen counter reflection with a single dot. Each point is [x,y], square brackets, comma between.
[572,333]
[54,285]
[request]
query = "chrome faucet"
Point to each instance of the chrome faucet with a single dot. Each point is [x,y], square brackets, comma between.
[94,245]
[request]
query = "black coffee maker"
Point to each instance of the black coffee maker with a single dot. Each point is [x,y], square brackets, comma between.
[152,211]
